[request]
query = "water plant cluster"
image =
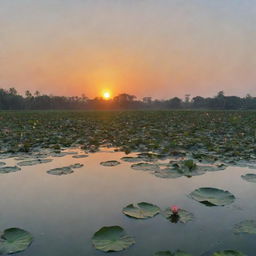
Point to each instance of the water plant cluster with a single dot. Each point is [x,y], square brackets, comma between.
[207,136]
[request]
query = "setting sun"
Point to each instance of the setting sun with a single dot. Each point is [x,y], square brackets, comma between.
[106,95]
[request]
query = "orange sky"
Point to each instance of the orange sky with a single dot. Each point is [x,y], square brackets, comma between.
[148,48]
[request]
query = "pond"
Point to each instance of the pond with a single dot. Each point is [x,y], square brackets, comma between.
[63,212]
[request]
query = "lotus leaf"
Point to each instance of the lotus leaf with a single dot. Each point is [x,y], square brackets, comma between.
[8,169]
[14,240]
[34,162]
[247,226]
[249,177]
[212,196]
[80,156]
[77,165]
[131,159]
[183,216]
[143,210]
[112,239]
[110,163]
[61,171]
[168,173]
[145,167]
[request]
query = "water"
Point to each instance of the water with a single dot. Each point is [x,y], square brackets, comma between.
[63,212]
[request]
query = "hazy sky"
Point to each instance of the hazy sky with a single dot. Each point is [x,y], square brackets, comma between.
[158,48]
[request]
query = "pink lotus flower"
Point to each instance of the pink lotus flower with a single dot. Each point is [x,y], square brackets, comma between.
[175,209]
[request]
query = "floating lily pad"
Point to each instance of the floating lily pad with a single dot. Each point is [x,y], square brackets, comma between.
[250,177]
[77,165]
[183,216]
[14,240]
[143,210]
[34,162]
[131,159]
[61,171]
[212,196]
[168,173]
[247,226]
[110,163]
[80,156]
[168,253]
[112,239]
[2,164]
[145,167]
[6,156]
[228,253]
[185,168]
[188,168]
[8,169]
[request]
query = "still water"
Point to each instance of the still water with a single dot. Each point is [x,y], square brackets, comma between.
[63,212]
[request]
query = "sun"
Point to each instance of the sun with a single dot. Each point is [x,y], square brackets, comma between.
[106,95]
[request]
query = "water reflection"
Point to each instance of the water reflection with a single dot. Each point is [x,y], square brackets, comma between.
[63,212]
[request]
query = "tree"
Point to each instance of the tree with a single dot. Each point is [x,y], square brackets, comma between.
[28,94]
[174,103]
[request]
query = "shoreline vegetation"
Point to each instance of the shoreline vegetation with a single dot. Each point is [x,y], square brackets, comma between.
[11,100]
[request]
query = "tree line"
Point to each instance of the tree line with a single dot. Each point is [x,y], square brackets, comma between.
[11,100]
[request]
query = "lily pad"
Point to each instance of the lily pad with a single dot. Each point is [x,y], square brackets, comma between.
[8,169]
[2,164]
[143,210]
[247,226]
[131,159]
[112,239]
[250,177]
[75,166]
[183,216]
[168,173]
[212,196]
[61,171]
[14,240]
[145,167]
[168,253]
[34,162]
[80,156]
[110,163]
[228,253]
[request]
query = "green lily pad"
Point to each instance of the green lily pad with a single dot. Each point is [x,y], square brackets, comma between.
[168,173]
[75,166]
[2,164]
[143,210]
[14,240]
[110,163]
[183,216]
[112,239]
[168,253]
[34,162]
[61,171]
[80,156]
[5,156]
[8,169]
[131,159]
[247,226]
[228,253]
[212,196]
[145,167]
[250,177]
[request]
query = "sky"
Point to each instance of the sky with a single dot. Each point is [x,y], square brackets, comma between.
[156,48]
